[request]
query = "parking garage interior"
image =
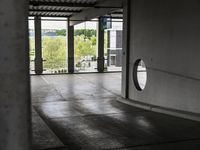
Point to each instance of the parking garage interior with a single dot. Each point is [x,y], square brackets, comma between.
[99,74]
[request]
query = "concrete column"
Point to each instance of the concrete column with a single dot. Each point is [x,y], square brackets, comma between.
[38,46]
[100,47]
[108,50]
[70,47]
[125,49]
[15,116]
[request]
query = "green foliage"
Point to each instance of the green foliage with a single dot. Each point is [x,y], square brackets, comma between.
[54,49]
[93,40]
[88,33]
[54,52]
[105,43]
[61,32]
[84,47]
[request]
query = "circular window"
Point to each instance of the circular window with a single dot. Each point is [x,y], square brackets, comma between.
[140,74]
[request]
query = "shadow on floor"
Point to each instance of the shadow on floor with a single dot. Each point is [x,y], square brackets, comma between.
[80,112]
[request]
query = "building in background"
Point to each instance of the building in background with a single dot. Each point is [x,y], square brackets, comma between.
[114,48]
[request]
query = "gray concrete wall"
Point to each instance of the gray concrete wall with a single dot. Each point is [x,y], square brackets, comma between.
[15,131]
[166,36]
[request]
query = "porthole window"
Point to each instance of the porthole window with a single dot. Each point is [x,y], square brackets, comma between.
[140,74]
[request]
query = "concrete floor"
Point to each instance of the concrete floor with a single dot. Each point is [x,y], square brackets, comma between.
[80,111]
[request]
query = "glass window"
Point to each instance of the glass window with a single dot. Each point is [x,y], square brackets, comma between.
[32,46]
[54,46]
[113,46]
[85,47]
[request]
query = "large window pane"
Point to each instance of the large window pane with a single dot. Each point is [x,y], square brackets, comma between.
[54,48]
[32,46]
[113,46]
[85,47]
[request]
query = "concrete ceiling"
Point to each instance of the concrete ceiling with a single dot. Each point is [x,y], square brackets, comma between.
[76,10]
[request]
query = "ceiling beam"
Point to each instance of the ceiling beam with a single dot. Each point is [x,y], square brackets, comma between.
[54,10]
[97,12]
[60,16]
[117,13]
[66,4]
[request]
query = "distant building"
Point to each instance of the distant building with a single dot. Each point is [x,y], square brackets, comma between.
[45,32]
[49,32]
[114,48]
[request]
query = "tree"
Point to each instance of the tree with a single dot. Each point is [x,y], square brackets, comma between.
[54,49]
[54,52]
[84,47]
[88,33]
[61,32]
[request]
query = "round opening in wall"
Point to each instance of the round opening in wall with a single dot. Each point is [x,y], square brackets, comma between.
[139,74]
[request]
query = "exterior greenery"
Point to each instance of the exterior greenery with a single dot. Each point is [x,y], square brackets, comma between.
[87,32]
[54,49]
[54,52]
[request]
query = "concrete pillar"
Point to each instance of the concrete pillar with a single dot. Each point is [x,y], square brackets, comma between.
[70,47]
[125,49]
[100,47]
[108,50]
[15,116]
[38,46]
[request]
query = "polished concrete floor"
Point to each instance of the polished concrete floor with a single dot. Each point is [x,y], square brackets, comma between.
[72,112]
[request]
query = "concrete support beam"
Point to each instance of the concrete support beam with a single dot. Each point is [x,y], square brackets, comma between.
[38,46]
[125,49]
[70,48]
[15,120]
[100,47]
[102,8]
